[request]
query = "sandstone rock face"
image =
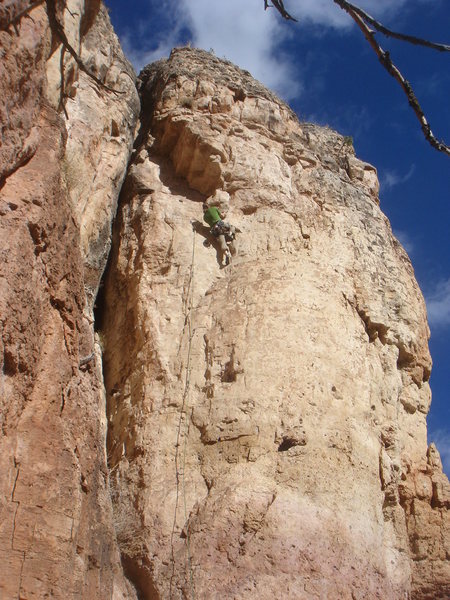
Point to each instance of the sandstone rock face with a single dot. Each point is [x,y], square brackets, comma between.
[100,127]
[425,497]
[21,85]
[266,420]
[56,531]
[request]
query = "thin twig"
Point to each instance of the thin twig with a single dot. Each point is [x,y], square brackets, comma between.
[279,6]
[389,33]
[362,19]
[57,28]
[387,63]
[6,24]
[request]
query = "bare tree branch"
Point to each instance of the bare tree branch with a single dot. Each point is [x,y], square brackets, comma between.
[387,63]
[388,33]
[6,20]
[278,4]
[58,29]
[362,19]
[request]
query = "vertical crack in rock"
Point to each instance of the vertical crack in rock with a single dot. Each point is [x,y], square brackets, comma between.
[295,406]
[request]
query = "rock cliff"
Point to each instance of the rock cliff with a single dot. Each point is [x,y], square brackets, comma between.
[251,431]
[61,165]
[267,434]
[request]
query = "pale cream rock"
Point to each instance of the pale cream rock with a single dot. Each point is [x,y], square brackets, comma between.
[266,420]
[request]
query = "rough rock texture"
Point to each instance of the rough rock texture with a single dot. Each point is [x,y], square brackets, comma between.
[22,67]
[425,497]
[267,433]
[56,532]
[100,128]
[266,421]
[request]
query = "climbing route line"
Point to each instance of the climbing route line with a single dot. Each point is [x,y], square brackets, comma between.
[183,431]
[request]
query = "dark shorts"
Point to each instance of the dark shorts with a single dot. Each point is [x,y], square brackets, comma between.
[220,228]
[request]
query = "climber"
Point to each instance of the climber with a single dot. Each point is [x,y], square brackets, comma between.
[221,230]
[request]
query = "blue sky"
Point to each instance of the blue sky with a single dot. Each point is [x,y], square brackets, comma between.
[329,75]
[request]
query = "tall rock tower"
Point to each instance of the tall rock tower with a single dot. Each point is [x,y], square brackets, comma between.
[267,419]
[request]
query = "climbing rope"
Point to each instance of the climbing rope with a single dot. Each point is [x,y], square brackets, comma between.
[183,414]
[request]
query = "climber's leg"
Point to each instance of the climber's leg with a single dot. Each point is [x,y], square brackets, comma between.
[226,254]
[231,239]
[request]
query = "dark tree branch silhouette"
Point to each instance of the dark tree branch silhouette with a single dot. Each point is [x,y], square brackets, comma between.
[278,4]
[394,34]
[58,30]
[11,18]
[363,20]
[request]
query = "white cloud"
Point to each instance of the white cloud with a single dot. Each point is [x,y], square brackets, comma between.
[390,179]
[326,12]
[438,305]
[441,438]
[136,43]
[320,12]
[243,32]
[247,35]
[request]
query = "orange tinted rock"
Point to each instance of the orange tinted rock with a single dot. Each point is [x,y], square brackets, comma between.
[56,536]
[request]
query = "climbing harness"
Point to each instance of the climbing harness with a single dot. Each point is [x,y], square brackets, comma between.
[222,228]
[229,233]
[184,416]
